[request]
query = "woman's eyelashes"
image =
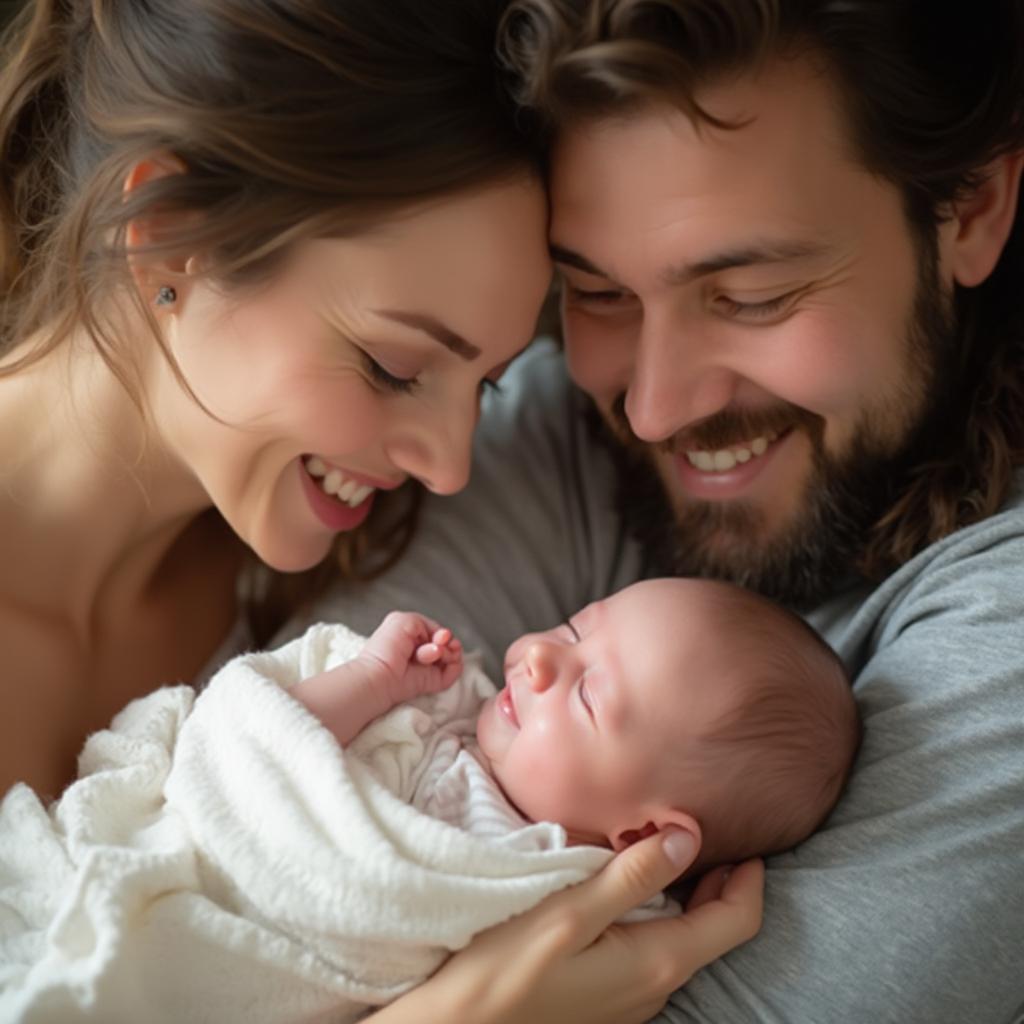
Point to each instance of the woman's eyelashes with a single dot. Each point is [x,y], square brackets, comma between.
[388,380]
[572,630]
[406,385]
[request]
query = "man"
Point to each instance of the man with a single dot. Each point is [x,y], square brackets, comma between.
[792,260]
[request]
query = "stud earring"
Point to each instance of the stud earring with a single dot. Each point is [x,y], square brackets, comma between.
[167,296]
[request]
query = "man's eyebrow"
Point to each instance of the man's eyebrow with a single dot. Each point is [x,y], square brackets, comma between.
[769,252]
[437,330]
[574,259]
[772,252]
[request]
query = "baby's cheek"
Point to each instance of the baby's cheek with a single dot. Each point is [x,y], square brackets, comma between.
[549,789]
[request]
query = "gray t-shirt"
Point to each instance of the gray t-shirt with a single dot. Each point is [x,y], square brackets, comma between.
[908,905]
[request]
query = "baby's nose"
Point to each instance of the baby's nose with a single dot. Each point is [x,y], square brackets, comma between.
[541,666]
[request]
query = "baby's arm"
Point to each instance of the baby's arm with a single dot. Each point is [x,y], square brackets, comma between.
[407,655]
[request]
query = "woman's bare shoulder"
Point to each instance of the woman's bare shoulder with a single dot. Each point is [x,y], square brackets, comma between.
[40,702]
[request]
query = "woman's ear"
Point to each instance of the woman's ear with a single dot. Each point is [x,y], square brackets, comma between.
[667,817]
[152,275]
[981,222]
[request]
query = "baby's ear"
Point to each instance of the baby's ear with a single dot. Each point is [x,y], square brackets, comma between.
[667,817]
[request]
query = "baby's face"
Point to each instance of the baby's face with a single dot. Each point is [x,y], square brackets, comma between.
[578,734]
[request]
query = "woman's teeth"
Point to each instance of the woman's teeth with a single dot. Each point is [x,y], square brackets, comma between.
[336,484]
[728,458]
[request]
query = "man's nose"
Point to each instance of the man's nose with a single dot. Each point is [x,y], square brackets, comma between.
[541,665]
[676,380]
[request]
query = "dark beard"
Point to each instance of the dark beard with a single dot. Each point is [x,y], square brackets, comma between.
[845,495]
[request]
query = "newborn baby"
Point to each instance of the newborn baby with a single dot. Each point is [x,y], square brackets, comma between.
[677,702]
[229,858]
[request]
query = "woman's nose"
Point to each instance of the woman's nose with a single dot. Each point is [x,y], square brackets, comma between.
[437,452]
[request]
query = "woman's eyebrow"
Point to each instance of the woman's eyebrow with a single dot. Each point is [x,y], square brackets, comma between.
[437,330]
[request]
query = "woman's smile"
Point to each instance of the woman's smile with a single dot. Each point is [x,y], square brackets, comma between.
[335,512]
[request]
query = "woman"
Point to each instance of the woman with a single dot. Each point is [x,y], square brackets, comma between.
[258,261]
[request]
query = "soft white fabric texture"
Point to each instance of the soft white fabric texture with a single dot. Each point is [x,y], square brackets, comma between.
[227,861]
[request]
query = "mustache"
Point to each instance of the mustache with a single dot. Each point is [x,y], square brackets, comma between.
[722,429]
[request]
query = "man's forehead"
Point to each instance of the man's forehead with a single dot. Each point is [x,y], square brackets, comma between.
[789,106]
[780,90]
[630,189]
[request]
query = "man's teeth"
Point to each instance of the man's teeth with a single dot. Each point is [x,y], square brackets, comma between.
[335,483]
[728,458]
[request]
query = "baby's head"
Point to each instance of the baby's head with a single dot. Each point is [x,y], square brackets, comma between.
[675,702]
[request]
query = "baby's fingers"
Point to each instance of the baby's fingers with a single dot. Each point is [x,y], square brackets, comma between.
[428,654]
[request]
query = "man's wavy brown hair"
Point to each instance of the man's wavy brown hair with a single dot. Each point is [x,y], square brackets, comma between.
[933,93]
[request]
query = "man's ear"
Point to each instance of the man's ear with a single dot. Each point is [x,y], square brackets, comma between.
[151,274]
[660,819]
[982,221]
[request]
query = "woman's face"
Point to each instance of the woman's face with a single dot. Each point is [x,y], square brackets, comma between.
[360,365]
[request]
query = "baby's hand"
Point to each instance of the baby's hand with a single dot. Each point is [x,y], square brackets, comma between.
[443,647]
[413,655]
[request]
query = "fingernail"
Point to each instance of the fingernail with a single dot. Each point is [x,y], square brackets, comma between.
[679,846]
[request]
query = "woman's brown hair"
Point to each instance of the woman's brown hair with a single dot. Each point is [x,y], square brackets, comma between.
[292,118]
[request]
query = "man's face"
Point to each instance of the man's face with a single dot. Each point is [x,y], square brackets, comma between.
[752,316]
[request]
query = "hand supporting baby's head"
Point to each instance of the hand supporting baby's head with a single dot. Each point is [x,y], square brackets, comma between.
[675,702]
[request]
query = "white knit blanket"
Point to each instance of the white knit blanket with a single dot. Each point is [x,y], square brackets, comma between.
[222,859]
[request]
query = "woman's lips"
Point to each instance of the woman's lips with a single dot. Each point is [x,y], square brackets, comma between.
[332,513]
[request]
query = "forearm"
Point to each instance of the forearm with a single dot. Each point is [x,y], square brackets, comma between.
[428,1002]
[345,699]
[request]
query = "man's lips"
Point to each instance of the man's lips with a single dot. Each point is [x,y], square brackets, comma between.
[735,481]
[507,706]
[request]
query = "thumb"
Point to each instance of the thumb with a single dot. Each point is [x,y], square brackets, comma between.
[631,878]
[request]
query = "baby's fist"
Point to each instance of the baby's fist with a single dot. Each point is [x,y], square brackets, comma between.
[416,654]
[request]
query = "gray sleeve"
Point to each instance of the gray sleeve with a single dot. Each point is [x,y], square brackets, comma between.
[533,538]
[909,905]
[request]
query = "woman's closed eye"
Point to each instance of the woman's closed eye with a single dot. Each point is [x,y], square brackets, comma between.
[387,380]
